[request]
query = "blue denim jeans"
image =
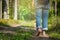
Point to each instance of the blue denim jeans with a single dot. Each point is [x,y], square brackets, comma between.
[42,18]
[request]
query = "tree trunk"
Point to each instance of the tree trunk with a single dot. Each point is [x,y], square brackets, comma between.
[0,9]
[55,7]
[15,10]
[6,10]
[51,6]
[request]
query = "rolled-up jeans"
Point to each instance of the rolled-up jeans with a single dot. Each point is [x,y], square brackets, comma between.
[42,18]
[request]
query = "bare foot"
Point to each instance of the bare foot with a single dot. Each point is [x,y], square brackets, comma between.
[40,35]
[44,34]
[39,31]
[37,34]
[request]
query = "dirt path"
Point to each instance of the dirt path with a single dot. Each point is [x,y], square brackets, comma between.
[12,30]
[40,38]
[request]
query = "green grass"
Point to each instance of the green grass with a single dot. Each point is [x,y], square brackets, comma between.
[21,35]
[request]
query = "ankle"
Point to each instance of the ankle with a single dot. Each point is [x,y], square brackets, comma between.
[44,32]
[39,30]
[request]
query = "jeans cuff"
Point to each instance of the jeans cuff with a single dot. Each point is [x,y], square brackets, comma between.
[44,28]
[39,27]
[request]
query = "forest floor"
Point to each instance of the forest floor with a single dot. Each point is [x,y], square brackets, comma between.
[27,30]
[17,32]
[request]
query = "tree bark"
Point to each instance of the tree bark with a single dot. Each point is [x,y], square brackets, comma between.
[0,9]
[6,10]
[15,10]
[51,8]
[55,7]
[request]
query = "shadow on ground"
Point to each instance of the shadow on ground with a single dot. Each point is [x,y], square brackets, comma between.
[22,33]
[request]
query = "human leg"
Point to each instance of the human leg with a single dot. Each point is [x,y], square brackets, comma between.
[45,22]
[38,21]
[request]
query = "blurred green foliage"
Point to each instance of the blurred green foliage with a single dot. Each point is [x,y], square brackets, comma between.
[11,9]
[25,10]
